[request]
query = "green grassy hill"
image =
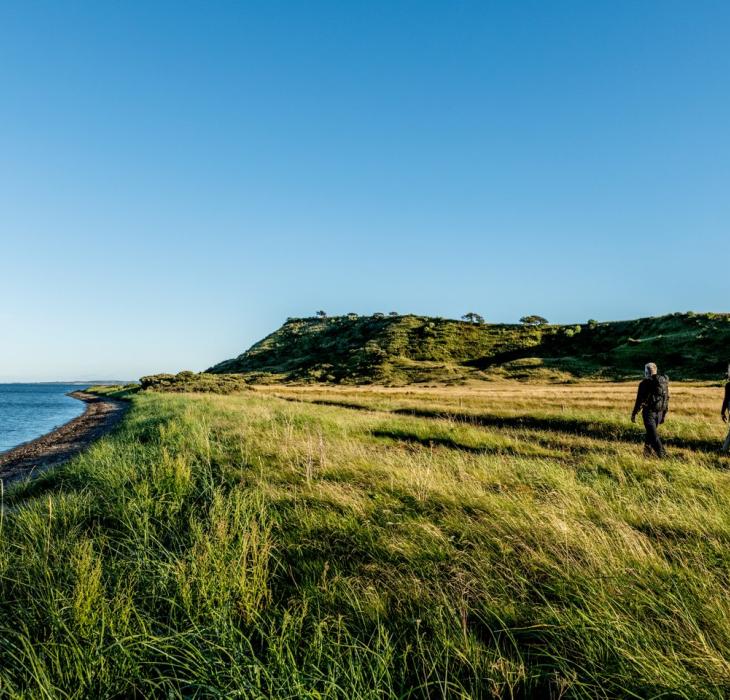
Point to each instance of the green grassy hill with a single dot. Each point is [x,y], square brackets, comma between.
[404,349]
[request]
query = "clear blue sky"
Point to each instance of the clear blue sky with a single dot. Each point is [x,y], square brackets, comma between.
[178,178]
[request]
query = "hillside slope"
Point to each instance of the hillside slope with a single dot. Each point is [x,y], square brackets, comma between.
[403,349]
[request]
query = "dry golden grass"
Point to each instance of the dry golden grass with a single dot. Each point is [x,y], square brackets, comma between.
[699,400]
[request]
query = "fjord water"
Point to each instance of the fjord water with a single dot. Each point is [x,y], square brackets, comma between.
[27,411]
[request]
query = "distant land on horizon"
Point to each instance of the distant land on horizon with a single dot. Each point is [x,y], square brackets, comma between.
[76,382]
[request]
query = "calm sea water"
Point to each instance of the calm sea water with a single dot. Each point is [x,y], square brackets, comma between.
[27,411]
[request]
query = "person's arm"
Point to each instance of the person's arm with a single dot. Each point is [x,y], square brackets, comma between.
[726,403]
[640,400]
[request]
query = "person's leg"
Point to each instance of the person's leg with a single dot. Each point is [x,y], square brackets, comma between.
[726,444]
[660,421]
[648,449]
[652,441]
[650,429]
[659,446]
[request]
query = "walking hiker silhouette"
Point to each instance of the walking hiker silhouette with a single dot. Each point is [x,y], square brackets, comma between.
[725,412]
[652,399]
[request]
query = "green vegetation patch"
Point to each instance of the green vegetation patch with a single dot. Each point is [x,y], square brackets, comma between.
[248,546]
[399,350]
[201,382]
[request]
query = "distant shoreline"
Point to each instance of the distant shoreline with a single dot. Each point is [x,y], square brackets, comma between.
[93,382]
[31,458]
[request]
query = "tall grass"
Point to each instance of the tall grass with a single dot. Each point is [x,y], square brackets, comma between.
[249,546]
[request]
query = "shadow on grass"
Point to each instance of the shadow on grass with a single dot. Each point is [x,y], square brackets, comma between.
[542,447]
[35,485]
[596,430]
[450,443]
[327,402]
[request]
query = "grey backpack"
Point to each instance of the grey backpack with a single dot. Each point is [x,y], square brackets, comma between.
[659,399]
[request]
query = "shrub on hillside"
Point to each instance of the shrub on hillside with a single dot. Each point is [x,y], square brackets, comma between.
[534,320]
[187,381]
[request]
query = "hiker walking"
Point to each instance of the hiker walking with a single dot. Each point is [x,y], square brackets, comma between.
[652,400]
[725,412]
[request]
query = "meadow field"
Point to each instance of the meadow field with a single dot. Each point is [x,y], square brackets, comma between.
[500,540]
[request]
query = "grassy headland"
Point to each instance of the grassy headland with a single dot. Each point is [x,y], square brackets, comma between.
[293,542]
[406,349]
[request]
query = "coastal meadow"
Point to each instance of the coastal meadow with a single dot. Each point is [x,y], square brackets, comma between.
[498,540]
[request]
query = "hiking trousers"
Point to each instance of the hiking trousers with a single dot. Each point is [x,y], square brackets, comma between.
[726,445]
[652,442]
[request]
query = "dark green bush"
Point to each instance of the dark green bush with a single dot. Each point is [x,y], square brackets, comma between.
[187,381]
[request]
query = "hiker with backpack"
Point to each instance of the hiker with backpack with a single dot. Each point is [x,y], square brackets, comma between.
[725,412]
[652,399]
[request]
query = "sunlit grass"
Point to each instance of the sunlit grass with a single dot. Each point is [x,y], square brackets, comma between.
[504,540]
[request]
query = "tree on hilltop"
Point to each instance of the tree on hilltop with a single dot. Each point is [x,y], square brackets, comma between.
[472,317]
[534,321]
[321,314]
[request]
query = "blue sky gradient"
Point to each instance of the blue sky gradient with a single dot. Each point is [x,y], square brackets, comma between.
[178,178]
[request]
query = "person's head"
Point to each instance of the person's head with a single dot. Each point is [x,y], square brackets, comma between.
[650,369]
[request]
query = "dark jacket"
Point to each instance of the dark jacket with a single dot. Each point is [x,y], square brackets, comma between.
[726,402]
[645,392]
